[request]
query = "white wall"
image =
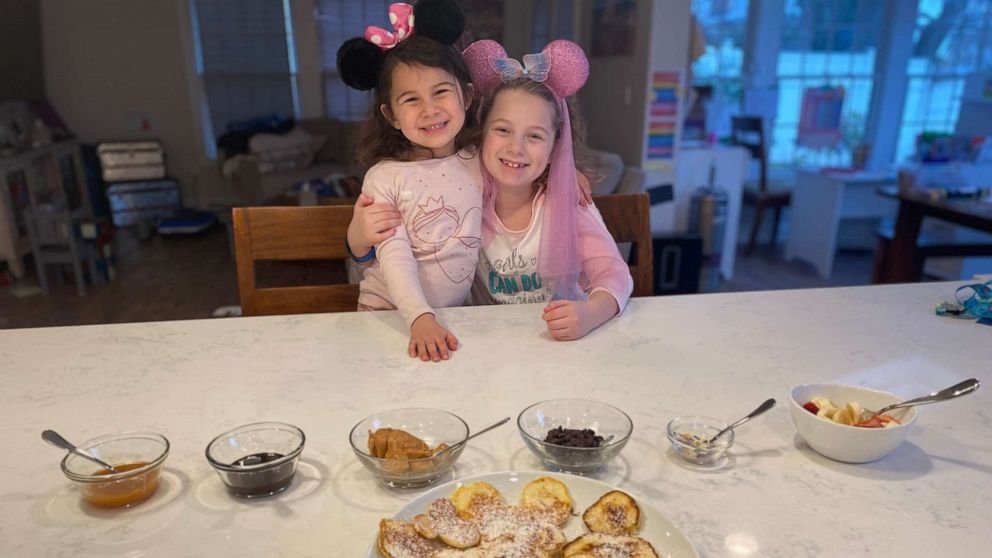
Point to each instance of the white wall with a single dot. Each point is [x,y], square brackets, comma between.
[21,75]
[111,64]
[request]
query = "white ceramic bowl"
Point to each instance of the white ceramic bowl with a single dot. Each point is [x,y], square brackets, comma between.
[841,442]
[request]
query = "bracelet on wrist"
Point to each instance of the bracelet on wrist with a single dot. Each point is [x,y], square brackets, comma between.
[363,259]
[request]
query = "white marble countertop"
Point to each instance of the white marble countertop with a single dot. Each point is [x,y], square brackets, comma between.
[718,355]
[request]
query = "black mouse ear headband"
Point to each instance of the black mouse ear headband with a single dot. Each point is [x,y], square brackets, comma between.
[360,59]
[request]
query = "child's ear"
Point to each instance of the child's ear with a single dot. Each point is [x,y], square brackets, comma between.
[469,95]
[388,115]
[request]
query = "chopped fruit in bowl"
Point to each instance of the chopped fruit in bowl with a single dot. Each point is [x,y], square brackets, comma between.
[829,429]
[851,413]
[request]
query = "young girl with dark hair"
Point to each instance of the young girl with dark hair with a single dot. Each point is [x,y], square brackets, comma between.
[416,140]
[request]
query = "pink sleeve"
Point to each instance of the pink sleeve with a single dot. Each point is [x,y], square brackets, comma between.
[399,267]
[603,269]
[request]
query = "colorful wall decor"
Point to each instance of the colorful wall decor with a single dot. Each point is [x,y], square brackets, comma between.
[663,117]
[819,119]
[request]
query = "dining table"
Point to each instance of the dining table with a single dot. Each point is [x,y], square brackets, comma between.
[902,263]
[717,355]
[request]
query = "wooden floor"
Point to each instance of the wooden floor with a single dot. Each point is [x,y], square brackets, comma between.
[766,270]
[157,279]
[189,278]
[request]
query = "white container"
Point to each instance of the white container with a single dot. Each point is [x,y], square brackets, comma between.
[851,444]
[131,160]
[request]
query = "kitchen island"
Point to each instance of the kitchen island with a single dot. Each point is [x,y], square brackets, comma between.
[718,355]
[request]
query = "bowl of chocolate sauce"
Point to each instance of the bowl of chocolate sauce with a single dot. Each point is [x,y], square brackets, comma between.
[257,460]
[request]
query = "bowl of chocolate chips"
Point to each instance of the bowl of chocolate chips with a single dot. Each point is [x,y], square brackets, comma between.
[574,435]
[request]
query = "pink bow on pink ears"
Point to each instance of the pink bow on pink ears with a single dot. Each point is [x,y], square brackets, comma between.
[401,17]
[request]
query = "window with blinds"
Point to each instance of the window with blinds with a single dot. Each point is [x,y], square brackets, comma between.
[245,59]
[338,21]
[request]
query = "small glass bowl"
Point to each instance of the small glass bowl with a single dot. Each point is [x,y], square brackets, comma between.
[123,451]
[258,459]
[433,426]
[606,420]
[688,436]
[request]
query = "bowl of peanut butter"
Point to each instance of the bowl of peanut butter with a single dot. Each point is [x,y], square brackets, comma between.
[409,448]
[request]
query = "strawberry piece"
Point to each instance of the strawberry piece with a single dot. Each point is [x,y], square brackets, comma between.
[811,407]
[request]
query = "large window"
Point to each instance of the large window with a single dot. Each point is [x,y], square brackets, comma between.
[245,59]
[825,43]
[952,39]
[338,21]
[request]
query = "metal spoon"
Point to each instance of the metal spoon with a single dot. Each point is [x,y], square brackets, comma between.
[53,437]
[483,431]
[761,409]
[957,390]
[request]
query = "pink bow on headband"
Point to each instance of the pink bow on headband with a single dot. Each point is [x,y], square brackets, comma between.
[401,17]
[561,66]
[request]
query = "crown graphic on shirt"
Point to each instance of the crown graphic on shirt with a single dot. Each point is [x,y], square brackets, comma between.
[432,205]
[431,211]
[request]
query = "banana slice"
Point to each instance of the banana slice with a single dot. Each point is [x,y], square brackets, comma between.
[843,416]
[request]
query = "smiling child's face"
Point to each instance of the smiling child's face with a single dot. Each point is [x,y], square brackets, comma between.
[518,139]
[428,106]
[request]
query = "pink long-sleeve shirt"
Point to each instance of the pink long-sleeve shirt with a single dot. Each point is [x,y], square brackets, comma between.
[430,261]
[507,271]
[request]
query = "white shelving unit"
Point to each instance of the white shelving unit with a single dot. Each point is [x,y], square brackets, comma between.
[49,174]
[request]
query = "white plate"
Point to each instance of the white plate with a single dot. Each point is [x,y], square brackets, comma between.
[657,529]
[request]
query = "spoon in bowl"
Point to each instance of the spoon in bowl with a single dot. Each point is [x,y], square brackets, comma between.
[957,390]
[53,437]
[761,409]
[483,431]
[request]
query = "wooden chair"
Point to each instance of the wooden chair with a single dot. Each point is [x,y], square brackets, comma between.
[291,234]
[628,220]
[749,132]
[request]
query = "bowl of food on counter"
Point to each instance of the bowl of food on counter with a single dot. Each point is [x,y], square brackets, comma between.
[692,438]
[137,459]
[258,459]
[836,421]
[409,448]
[574,435]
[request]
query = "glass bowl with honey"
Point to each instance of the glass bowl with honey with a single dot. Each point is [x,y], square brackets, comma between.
[138,459]
[409,448]
[257,460]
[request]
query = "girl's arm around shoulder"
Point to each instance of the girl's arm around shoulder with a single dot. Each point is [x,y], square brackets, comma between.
[376,216]
[603,269]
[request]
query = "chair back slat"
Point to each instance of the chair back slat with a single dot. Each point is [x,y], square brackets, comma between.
[749,133]
[627,218]
[291,234]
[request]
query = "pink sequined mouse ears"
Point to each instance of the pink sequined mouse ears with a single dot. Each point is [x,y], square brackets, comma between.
[360,59]
[561,66]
